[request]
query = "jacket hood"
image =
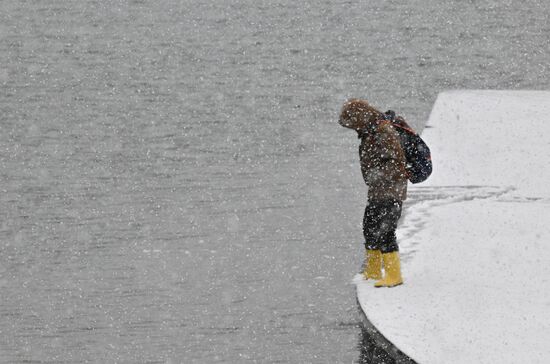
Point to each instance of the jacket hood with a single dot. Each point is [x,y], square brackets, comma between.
[358,114]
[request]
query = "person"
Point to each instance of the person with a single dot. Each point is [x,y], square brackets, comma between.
[383,165]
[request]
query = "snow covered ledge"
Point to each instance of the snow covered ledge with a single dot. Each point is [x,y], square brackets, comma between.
[475,241]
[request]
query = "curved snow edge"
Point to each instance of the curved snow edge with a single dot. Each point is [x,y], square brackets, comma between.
[381,341]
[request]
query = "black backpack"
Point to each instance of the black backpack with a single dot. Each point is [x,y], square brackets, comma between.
[417,153]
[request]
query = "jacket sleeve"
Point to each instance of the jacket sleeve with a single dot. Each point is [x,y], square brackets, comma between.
[393,154]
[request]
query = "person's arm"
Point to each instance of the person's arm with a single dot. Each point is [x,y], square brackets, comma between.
[393,153]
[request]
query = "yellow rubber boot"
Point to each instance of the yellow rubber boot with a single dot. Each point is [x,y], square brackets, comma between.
[392,269]
[373,264]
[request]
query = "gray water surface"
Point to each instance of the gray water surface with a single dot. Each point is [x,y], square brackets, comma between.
[174,187]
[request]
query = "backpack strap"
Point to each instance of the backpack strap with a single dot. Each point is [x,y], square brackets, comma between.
[407,128]
[398,121]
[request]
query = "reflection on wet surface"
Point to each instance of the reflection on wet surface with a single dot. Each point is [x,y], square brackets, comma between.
[375,350]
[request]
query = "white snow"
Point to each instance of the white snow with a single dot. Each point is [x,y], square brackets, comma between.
[474,242]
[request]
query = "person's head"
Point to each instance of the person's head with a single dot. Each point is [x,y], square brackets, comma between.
[357,114]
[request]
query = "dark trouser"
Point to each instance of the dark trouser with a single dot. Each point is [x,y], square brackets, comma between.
[380,223]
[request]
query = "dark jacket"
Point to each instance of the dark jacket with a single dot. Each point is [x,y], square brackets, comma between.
[383,162]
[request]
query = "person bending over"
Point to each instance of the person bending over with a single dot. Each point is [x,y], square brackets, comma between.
[383,165]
